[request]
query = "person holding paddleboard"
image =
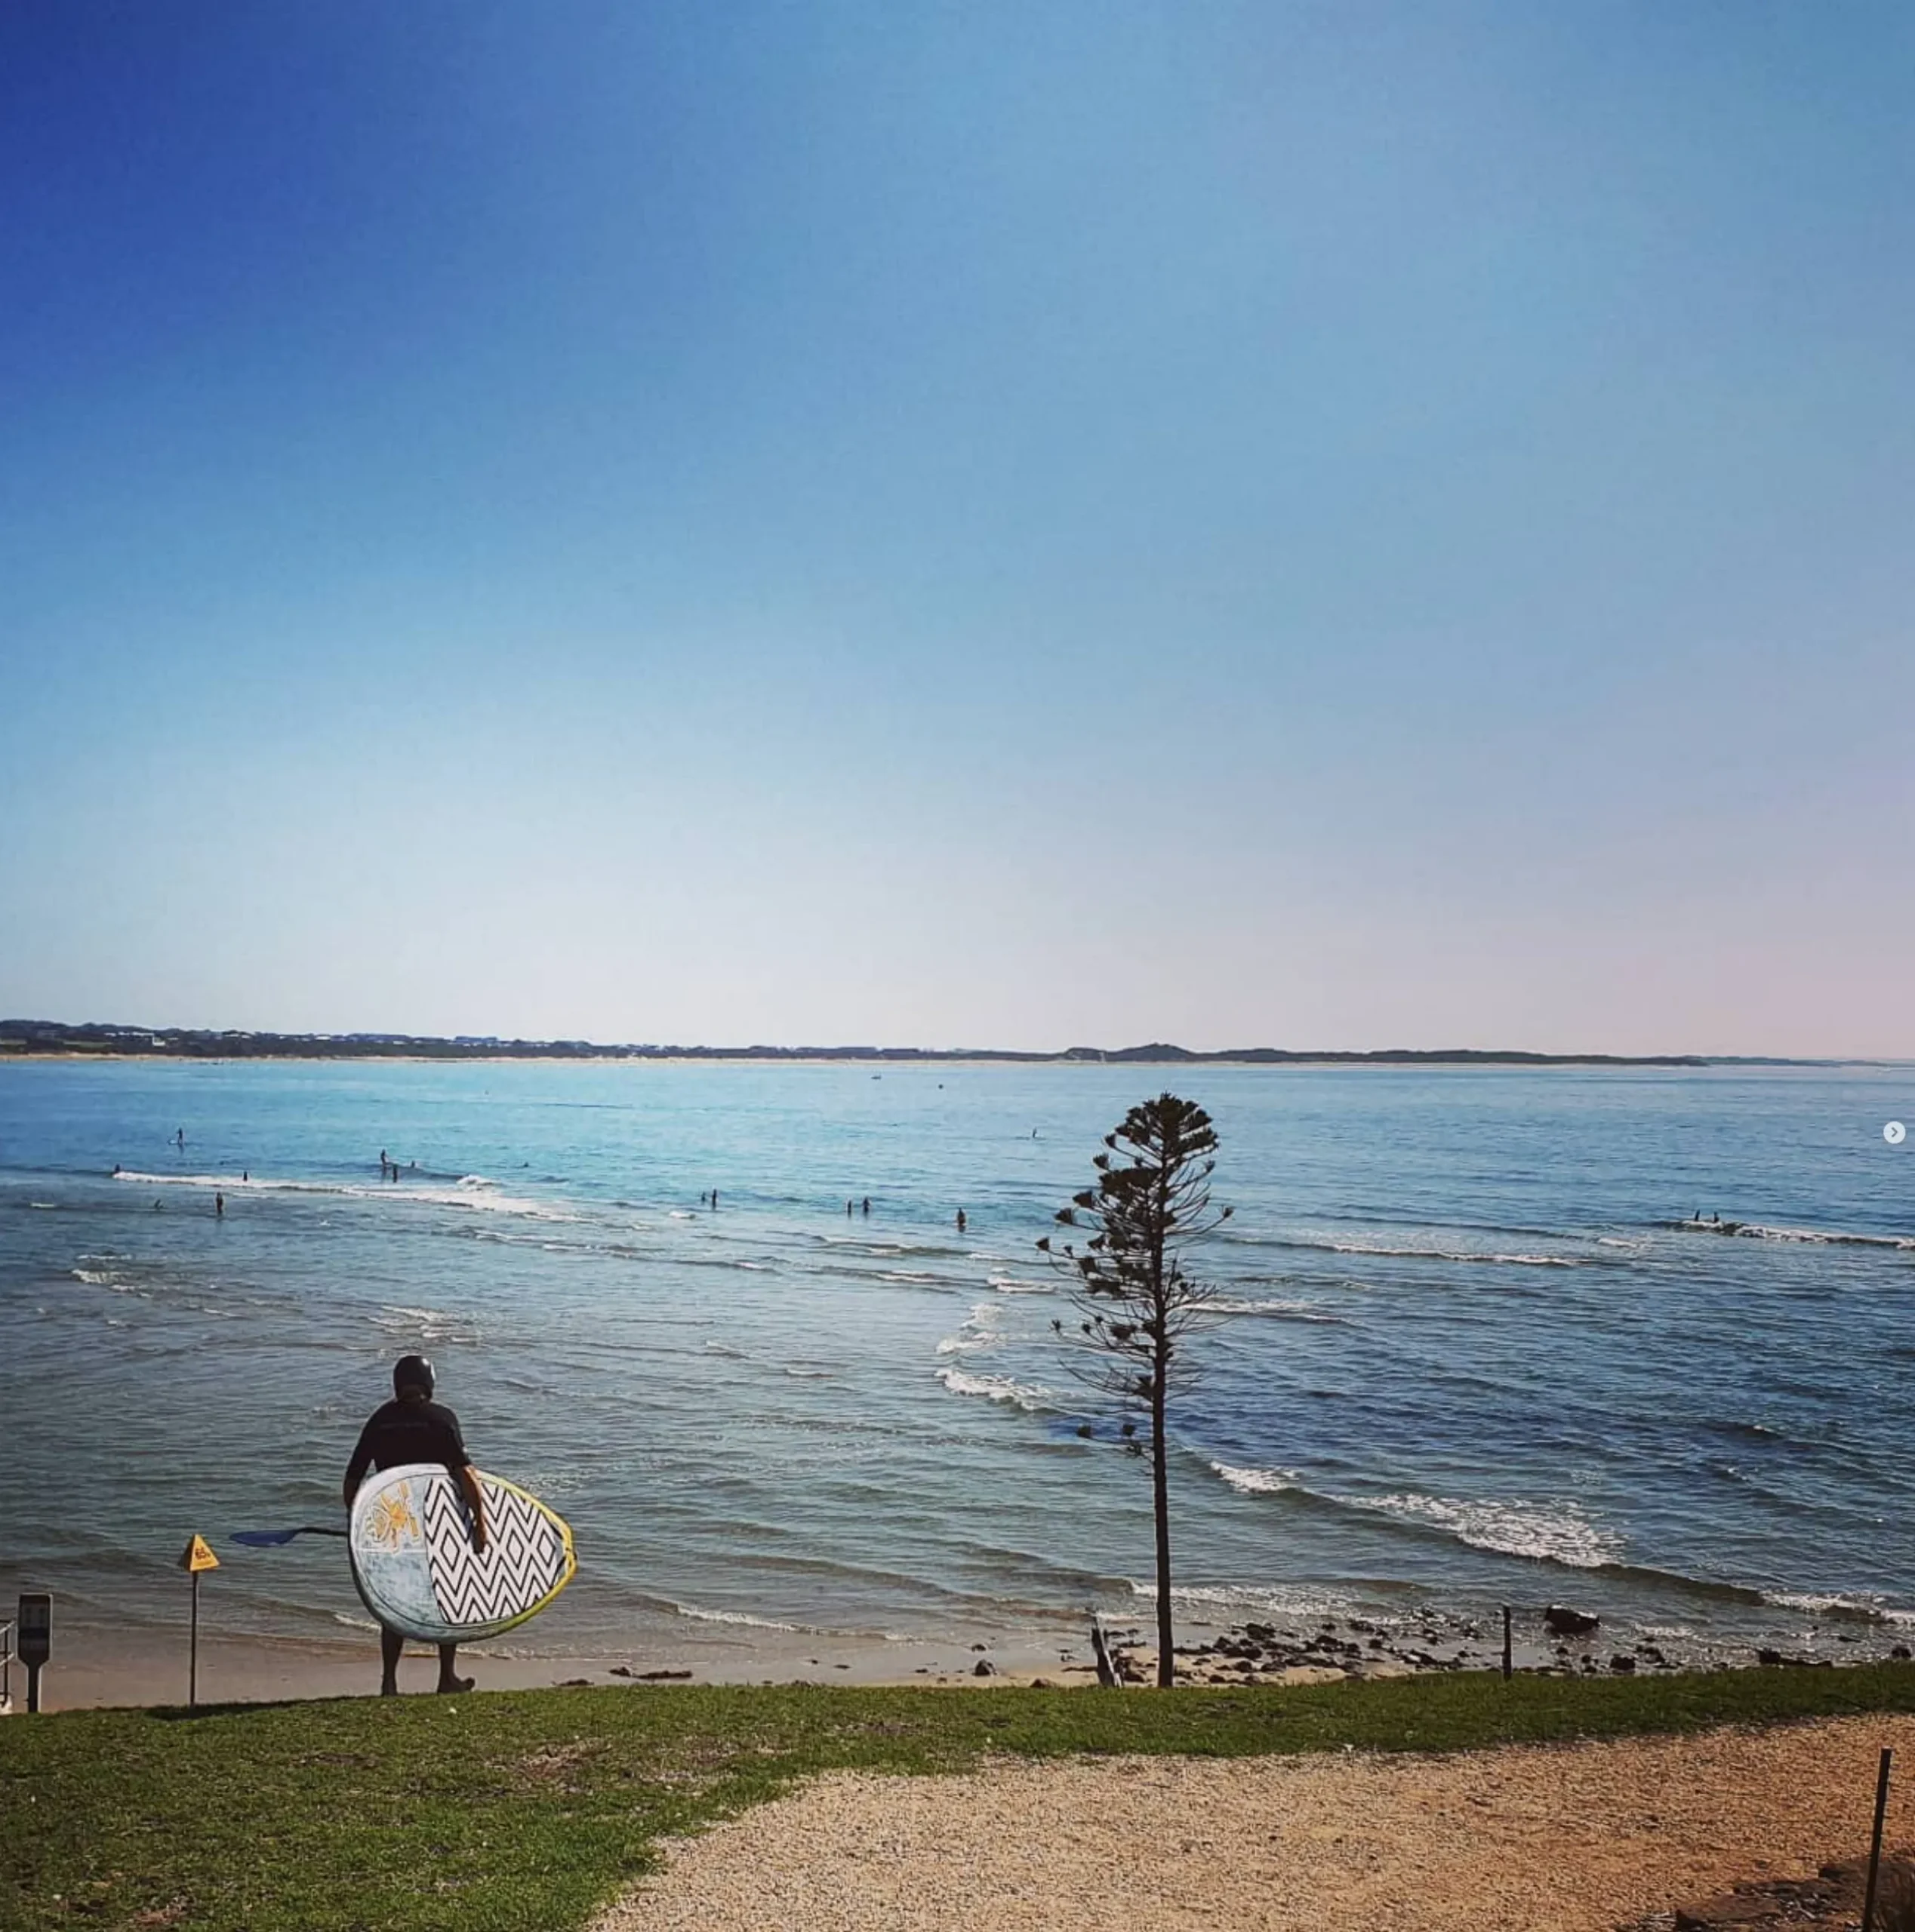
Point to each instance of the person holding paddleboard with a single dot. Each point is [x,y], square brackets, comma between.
[412,1428]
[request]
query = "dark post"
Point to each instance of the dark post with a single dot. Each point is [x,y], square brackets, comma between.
[34,1630]
[1107,1676]
[1875,1842]
[1509,1666]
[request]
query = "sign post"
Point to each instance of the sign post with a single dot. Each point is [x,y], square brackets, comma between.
[198,1556]
[34,1631]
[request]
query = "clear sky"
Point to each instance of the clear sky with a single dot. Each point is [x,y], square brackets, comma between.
[1063,521]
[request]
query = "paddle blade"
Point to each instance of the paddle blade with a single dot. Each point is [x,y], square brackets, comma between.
[273,1539]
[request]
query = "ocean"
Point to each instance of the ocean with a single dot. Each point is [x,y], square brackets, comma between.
[1475,1348]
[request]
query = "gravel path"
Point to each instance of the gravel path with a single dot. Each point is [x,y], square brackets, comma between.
[1556,1839]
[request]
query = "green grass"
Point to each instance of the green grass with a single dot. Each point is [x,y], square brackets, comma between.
[528,1809]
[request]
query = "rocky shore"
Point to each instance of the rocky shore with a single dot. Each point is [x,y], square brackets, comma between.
[1558,1640]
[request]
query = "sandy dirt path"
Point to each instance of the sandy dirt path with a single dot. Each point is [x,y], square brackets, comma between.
[1557,1838]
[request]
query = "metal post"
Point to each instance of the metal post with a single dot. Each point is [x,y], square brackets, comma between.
[32,1688]
[1875,1843]
[1509,1666]
[192,1665]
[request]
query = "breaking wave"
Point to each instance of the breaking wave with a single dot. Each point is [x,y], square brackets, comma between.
[1551,1532]
[1813,1237]
[471,1192]
[1256,1482]
[1029,1397]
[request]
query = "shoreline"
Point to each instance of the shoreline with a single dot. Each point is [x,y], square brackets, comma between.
[95,1666]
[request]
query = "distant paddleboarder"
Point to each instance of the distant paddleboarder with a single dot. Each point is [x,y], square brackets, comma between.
[412,1428]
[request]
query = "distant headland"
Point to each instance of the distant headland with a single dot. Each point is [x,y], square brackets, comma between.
[24,1037]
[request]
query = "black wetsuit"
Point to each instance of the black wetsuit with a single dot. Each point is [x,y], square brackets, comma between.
[398,1432]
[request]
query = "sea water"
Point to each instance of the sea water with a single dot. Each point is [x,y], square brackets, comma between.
[1473,1347]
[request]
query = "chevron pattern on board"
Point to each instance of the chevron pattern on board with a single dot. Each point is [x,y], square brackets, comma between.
[524,1559]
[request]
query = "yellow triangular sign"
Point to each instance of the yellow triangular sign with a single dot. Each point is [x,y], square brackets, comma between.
[198,1556]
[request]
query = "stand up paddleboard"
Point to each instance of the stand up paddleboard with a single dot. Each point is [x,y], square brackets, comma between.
[417,1571]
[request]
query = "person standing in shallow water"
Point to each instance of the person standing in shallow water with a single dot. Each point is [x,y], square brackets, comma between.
[412,1428]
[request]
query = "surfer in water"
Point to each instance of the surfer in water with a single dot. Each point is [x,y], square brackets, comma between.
[412,1428]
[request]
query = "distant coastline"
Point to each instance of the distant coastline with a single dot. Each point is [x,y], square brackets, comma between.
[23,1038]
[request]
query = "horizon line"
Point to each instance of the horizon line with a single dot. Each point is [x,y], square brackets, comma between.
[24,1038]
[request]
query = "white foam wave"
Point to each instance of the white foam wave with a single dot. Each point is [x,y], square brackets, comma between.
[979,1330]
[1453,1255]
[1559,1532]
[1256,1482]
[485,1196]
[473,1192]
[98,1277]
[1381,1249]
[1284,1311]
[700,1615]
[1820,1238]
[995,1388]
[1817,1603]
[426,1325]
[1280,1600]
[1010,1284]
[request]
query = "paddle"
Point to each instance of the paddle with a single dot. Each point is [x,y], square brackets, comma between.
[273,1539]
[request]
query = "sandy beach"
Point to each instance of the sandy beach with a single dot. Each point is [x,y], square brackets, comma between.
[93,1667]
[1585,1838]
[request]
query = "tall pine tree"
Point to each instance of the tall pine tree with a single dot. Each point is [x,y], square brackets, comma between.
[1136,1305]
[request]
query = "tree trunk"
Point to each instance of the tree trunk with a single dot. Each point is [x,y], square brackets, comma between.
[1160,1448]
[1160,1495]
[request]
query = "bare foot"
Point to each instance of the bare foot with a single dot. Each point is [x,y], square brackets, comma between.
[451,1686]
[388,1689]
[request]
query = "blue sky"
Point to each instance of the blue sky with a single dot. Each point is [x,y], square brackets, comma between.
[1318,525]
